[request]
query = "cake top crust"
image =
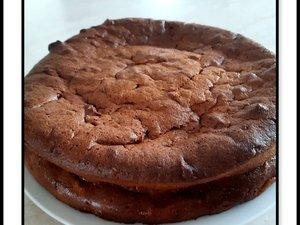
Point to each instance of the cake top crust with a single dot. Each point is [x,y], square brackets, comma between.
[153,103]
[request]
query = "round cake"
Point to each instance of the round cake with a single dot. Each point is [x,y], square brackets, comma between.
[140,120]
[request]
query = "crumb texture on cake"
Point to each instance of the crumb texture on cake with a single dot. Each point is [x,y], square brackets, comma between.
[147,101]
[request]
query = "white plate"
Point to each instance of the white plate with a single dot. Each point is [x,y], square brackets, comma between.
[239,215]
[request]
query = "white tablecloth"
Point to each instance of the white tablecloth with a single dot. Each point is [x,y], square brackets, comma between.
[50,20]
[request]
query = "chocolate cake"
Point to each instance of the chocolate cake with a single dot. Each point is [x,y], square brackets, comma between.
[141,120]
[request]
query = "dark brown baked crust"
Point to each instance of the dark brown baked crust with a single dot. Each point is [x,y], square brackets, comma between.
[118,204]
[153,103]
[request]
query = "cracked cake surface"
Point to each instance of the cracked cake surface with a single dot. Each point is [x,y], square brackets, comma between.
[143,102]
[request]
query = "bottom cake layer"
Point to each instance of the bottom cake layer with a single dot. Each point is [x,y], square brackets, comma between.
[118,204]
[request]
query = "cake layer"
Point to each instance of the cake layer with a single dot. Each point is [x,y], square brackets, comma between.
[118,204]
[143,102]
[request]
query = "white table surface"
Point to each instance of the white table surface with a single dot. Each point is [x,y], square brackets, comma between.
[49,20]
